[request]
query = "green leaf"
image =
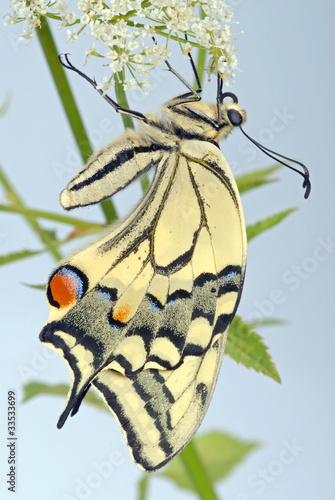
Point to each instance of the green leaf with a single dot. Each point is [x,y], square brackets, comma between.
[15,199]
[36,389]
[256,179]
[51,233]
[246,347]
[12,257]
[219,453]
[36,287]
[5,106]
[263,225]
[268,322]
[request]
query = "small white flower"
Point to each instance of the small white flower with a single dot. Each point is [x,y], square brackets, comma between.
[27,35]
[138,58]
[9,19]
[70,18]
[141,70]
[104,85]
[187,49]
[130,85]
[60,6]
[124,57]
[85,19]
[145,85]
[112,54]
[125,28]
[133,45]
[34,22]
[71,36]
[90,50]
[98,6]
[84,5]
[116,66]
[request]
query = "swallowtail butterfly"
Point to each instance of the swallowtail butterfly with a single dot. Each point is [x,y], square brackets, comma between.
[142,314]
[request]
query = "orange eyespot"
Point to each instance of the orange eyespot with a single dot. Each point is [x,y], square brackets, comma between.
[122,314]
[67,285]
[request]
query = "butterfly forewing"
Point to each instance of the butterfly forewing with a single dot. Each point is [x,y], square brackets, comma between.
[115,166]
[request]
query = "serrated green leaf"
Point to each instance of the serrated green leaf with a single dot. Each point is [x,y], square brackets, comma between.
[256,179]
[36,389]
[219,454]
[263,225]
[12,257]
[246,347]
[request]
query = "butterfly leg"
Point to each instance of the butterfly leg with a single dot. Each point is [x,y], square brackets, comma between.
[194,94]
[115,105]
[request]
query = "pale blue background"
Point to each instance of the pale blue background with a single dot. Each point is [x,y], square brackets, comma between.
[286,57]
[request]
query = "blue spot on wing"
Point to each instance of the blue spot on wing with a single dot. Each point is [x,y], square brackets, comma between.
[232,274]
[156,305]
[103,295]
[106,293]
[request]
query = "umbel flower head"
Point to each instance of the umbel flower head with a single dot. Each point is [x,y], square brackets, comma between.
[123,30]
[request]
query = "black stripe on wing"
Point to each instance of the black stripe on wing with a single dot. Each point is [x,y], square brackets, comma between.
[119,160]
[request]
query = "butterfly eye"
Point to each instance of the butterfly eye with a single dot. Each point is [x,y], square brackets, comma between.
[67,285]
[235,117]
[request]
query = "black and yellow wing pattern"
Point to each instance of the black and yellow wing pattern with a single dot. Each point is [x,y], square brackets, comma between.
[142,315]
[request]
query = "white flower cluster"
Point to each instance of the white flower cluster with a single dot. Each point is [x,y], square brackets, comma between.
[125,28]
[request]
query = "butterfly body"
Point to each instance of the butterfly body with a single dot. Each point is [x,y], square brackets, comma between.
[142,314]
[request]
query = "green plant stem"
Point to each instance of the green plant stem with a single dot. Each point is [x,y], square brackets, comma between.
[143,487]
[128,122]
[201,61]
[197,473]
[43,235]
[201,58]
[69,104]
[122,100]
[21,209]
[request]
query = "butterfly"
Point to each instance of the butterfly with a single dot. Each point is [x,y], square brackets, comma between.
[142,314]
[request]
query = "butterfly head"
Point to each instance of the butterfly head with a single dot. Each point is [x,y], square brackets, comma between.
[199,119]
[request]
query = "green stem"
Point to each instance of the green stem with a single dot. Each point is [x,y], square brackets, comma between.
[43,235]
[143,487]
[121,98]
[69,104]
[201,59]
[21,209]
[197,473]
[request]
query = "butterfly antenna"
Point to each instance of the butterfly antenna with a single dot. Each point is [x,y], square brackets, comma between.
[305,174]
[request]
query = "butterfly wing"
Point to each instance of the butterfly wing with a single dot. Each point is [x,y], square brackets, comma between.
[147,308]
[113,167]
